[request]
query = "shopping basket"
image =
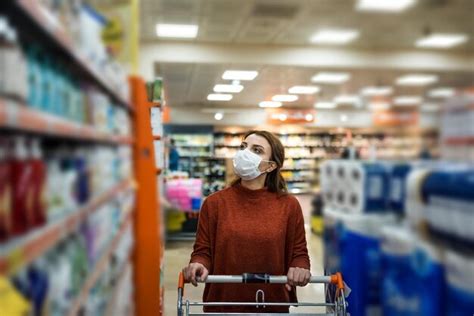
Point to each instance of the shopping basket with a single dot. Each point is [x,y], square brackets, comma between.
[337,307]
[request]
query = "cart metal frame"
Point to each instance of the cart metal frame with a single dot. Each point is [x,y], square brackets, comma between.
[337,308]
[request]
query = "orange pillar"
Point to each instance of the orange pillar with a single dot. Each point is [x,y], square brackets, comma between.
[146,223]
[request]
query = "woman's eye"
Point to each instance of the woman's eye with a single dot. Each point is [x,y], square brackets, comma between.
[242,147]
[257,151]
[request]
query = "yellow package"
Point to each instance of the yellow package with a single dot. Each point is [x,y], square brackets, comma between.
[12,303]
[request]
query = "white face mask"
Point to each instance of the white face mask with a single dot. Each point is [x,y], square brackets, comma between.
[246,164]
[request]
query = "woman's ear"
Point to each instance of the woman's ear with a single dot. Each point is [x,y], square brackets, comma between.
[272,166]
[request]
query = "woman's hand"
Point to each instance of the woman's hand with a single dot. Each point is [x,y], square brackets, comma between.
[297,277]
[193,271]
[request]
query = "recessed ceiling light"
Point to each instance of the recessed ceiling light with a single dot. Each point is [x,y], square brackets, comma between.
[177,30]
[384,5]
[285,98]
[441,93]
[270,104]
[376,106]
[218,116]
[240,75]
[219,97]
[407,100]
[439,40]
[347,99]
[417,80]
[282,117]
[377,91]
[309,117]
[344,118]
[304,89]
[325,105]
[331,77]
[429,107]
[228,88]
[334,36]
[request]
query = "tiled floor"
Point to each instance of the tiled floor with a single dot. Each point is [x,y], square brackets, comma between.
[177,256]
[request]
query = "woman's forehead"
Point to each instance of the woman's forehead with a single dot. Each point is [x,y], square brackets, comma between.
[255,139]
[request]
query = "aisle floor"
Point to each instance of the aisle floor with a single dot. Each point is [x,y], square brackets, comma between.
[177,256]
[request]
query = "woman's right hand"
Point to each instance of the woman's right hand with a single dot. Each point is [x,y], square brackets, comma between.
[193,271]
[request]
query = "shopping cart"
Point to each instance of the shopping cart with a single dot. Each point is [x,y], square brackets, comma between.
[336,308]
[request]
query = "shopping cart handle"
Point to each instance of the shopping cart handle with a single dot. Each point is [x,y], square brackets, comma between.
[265,278]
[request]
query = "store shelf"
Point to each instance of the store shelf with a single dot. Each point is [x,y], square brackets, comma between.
[459,141]
[99,269]
[193,146]
[309,158]
[299,180]
[20,117]
[115,295]
[188,156]
[44,24]
[156,137]
[26,249]
[300,169]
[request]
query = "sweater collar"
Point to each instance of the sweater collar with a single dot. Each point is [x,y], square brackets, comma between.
[253,194]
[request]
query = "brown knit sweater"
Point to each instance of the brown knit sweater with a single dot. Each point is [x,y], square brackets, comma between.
[254,231]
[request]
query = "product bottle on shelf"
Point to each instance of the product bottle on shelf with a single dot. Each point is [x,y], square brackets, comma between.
[5,193]
[38,182]
[22,193]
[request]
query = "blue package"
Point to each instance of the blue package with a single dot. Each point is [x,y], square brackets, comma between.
[376,187]
[460,277]
[397,196]
[455,184]
[413,278]
[361,265]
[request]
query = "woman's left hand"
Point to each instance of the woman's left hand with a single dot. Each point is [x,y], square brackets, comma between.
[297,277]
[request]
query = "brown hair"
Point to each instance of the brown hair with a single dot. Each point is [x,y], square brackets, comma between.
[274,181]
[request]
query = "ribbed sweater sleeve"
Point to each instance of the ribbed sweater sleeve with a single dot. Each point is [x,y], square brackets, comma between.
[300,257]
[202,245]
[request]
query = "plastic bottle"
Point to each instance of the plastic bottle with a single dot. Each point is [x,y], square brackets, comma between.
[22,193]
[5,193]
[38,182]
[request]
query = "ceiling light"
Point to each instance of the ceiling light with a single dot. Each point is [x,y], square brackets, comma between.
[441,93]
[304,89]
[228,88]
[282,117]
[270,104]
[239,75]
[331,77]
[417,80]
[384,5]
[218,116]
[219,97]
[407,100]
[285,98]
[429,107]
[343,118]
[334,36]
[177,30]
[347,99]
[377,106]
[439,40]
[325,105]
[377,91]
[309,117]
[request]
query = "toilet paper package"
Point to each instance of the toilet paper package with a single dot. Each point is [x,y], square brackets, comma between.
[333,229]
[460,278]
[449,202]
[414,204]
[361,261]
[398,176]
[413,275]
[355,186]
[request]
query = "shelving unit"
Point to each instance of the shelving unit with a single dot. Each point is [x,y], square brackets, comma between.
[31,12]
[33,23]
[99,268]
[20,117]
[21,252]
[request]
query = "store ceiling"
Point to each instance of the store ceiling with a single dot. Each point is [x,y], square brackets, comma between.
[282,24]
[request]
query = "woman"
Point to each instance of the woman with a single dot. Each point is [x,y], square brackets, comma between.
[253,226]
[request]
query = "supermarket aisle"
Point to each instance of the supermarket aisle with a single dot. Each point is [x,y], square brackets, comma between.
[177,256]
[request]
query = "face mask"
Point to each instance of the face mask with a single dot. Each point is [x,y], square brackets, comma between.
[246,164]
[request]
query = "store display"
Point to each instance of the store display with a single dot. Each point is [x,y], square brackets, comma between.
[457,133]
[460,292]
